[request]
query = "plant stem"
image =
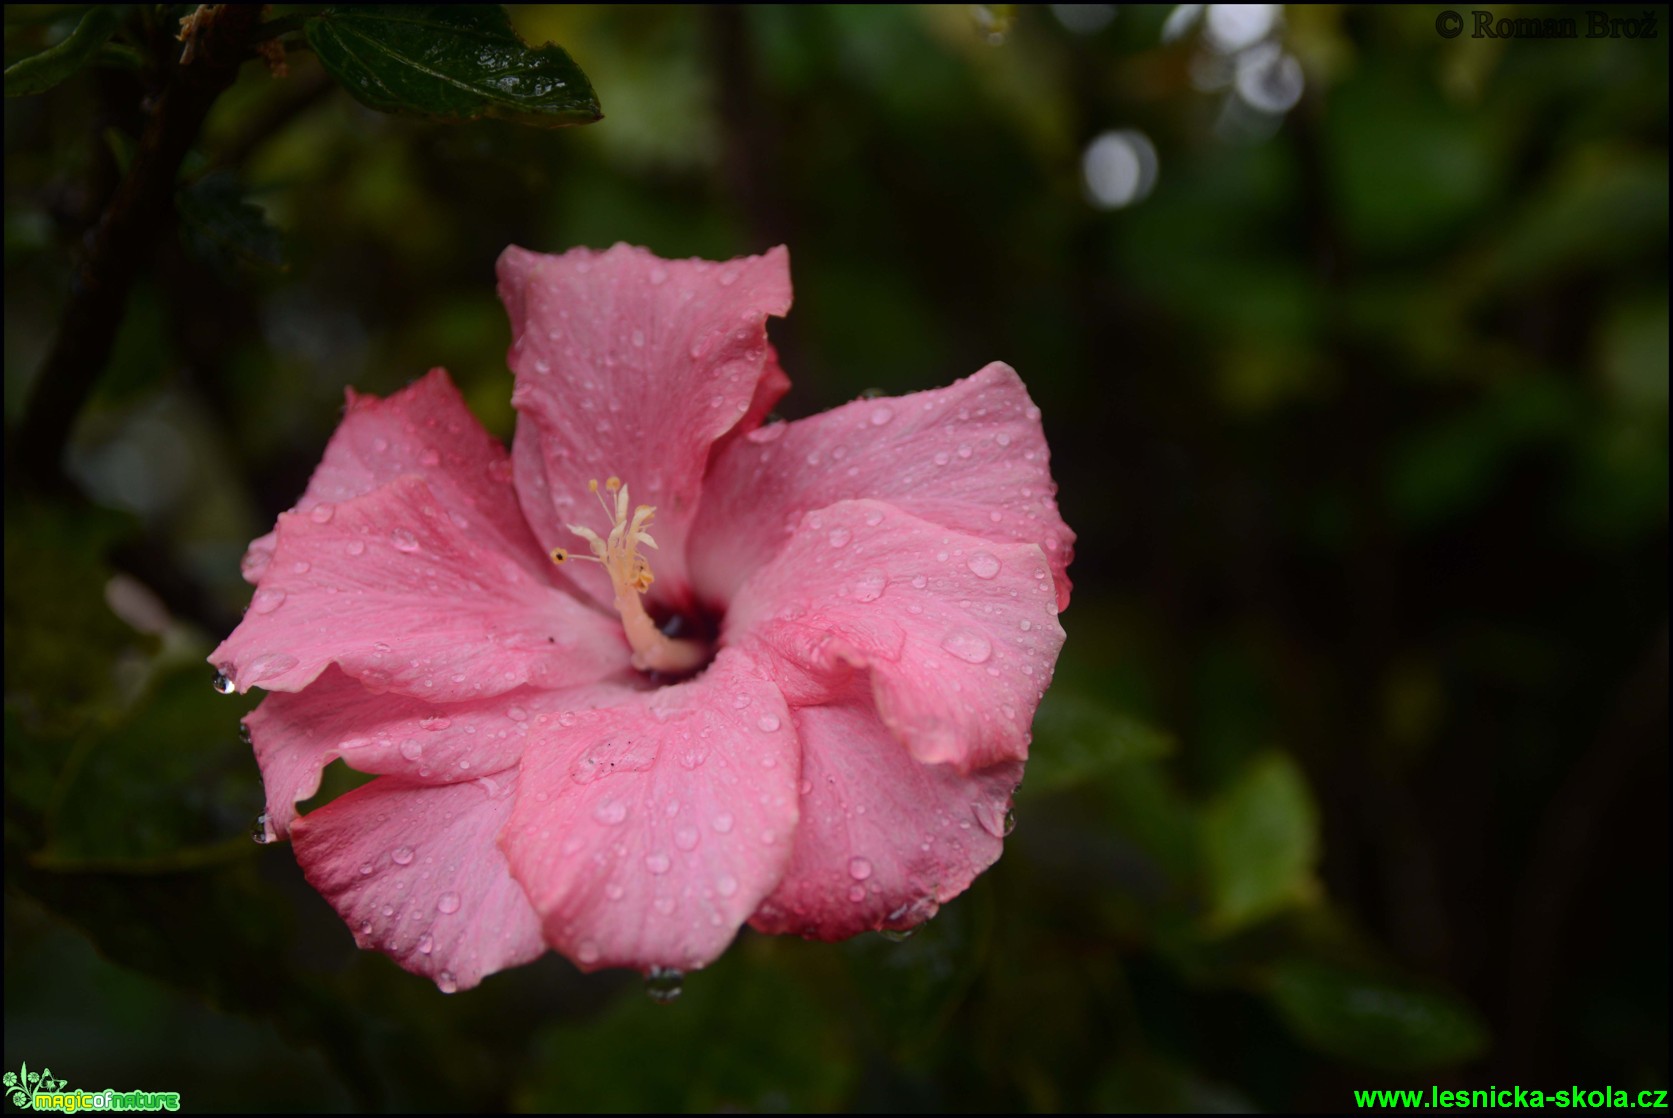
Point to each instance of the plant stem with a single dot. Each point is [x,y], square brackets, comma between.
[118,246]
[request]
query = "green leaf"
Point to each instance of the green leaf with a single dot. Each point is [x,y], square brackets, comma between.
[1077,739]
[1260,840]
[450,62]
[220,225]
[40,72]
[1374,1021]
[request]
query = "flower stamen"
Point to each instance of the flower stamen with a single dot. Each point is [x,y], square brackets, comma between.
[630,576]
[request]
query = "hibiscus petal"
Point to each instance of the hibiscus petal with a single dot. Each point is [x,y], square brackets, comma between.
[883,840]
[404,599]
[645,834]
[959,634]
[971,457]
[631,365]
[295,735]
[423,429]
[416,873]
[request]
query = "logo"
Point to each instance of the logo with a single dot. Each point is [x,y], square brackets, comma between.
[32,1090]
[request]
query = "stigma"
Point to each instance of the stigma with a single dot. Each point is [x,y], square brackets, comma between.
[630,576]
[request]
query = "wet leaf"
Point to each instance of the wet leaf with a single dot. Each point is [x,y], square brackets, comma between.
[450,62]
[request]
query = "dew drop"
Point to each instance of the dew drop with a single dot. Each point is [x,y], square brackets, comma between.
[983,565]
[517,714]
[657,863]
[267,599]
[723,823]
[882,415]
[686,838]
[412,749]
[897,935]
[610,813]
[856,893]
[664,984]
[859,868]
[638,338]
[404,540]
[447,904]
[223,683]
[839,537]
[726,885]
[435,722]
[301,567]
[995,820]
[357,547]
[401,856]
[870,585]
[446,983]
[365,869]
[767,722]
[968,645]
[261,831]
[426,944]
[321,514]
[587,953]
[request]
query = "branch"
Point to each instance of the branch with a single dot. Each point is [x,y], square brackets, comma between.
[118,245]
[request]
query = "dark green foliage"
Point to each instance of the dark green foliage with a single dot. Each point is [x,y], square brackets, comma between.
[1354,769]
[449,62]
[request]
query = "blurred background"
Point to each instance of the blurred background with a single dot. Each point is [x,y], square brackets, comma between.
[1351,342]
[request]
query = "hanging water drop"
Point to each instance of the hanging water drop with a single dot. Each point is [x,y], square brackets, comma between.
[898,935]
[223,683]
[664,984]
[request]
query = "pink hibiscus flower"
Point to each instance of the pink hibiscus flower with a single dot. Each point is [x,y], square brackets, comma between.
[803,703]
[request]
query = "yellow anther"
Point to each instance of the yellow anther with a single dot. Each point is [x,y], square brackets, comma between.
[630,576]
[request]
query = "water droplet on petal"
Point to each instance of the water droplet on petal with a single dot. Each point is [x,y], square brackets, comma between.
[995,820]
[446,983]
[223,683]
[768,722]
[686,838]
[839,537]
[357,547]
[881,415]
[447,904]
[365,869]
[401,856]
[657,863]
[610,813]
[267,599]
[968,645]
[321,514]
[723,822]
[726,885]
[857,893]
[663,984]
[870,585]
[859,868]
[262,831]
[587,953]
[403,540]
[426,944]
[983,565]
